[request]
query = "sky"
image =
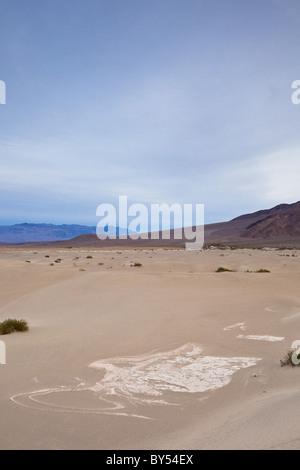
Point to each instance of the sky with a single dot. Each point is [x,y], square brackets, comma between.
[162,101]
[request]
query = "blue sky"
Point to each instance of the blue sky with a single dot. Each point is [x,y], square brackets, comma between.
[164,101]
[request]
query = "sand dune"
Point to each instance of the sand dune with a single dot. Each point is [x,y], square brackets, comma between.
[167,355]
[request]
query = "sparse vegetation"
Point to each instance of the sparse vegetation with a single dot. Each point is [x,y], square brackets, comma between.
[58,260]
[10,325]
[89,257]
[259,271]
[100,264]
[288,361]
[47,256]
[27,261]
[81,269]
[136,265]
[221,269]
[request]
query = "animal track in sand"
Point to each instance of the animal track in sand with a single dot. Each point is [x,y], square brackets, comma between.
[274,309]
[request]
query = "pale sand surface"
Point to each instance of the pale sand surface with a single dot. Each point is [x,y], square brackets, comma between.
[170,355]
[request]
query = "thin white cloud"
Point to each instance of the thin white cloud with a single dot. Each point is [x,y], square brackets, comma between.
[267,179]
[281,173]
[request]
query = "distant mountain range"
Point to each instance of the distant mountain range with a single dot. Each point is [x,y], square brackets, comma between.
[25,233]
[275,227]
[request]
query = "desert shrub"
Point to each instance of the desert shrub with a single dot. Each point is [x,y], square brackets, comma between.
[137,265]
[58,260]
[100,264]
[221,269]
[287,360]
[10,325]
[263,271]
[89,257]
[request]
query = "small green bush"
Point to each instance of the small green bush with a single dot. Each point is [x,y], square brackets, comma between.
[10,325]
[137,265]
[223,270]
[89,257]
[287,361]
[58,260]
[263,271]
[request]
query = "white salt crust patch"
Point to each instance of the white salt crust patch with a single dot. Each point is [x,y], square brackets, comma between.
[262,338]
[241,326]
[145,380]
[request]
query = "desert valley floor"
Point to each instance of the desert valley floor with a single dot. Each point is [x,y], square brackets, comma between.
[150,349]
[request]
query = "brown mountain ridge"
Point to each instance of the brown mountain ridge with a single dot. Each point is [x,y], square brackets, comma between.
[281,221]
